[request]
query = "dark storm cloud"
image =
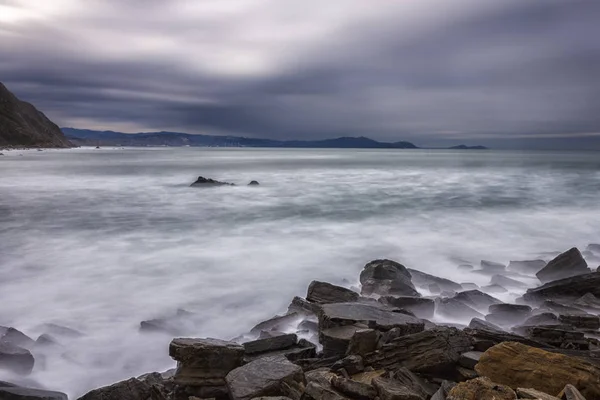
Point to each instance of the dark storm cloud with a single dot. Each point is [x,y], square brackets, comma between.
[474,72]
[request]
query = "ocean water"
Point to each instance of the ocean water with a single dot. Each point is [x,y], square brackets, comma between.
[98,240]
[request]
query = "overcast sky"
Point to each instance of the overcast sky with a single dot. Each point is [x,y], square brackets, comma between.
[506,73]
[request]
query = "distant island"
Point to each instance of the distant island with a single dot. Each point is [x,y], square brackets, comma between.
[465,147]
[86,137]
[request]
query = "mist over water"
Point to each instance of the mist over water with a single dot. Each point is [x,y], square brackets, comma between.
[99,240]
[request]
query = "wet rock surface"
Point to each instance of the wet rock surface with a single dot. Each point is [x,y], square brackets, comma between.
[387,277]
[568,264]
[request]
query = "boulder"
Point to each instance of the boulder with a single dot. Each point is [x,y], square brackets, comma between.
[477,299]
[15,337]
[277,342]
[61,331]
[269,376]
[570,392]
[581,321]
[420,306]
[354,389]
[469,359]
[375,316]
[14,392]
[477,323]
[131,389]
[545,318]
[310,364]
[483,339]
[352,364]
[481,388]
[323,292]
[280,323]
[527,267]
[568,264]
[559,336]
[415,383]
[507,282]
[301,350]
[390,389]
[319,387]
[443,391]
[421,279]
[161,325]
[253,183]
[508,314]
[207,182]
[363,341]
[524,393]
[518,365]
[492,267]
[455,309]
[301,306]
[15,359]
[368,376]
[387,277]
[568,288]
[560,308]
[588,301]
[434,288]
[336,340]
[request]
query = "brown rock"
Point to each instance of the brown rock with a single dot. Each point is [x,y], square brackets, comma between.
[570,393]
[390,389]
[481,389]
[534,394]
[354,389]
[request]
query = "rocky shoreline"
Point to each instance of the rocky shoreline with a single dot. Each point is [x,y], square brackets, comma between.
[380,342]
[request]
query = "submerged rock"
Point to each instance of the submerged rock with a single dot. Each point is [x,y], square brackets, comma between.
[387,277]
[528,266]
[422,279]
[492,267]
[508,314]
[504,281]
[452,308]
[253,183]
[15,337]
[15,359]
[14,392]
[565,265]
[420,306]
[477,299]
[207,182]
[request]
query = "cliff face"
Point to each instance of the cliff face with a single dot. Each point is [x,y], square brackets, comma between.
[22,125]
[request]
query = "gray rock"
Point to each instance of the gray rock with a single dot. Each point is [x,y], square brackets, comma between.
[581,321]
[277,342]
[568,288]
[161,325]
[269,376]
[310,364]
[353,364]
[560,308]
[524,393]
[545,318]
[452,308]
[420,306]
[593,247]
[375,316]
[302,306]
[421,278]
[390,389]
[477,299]
[131,389]
[443,390]
[528,266]
[508,314]
[323,292]
[386,277]
[507,282]
[469,359]
[568,264]
[414,382]
[434,288]
[45,340]
[303,349]
[15,337]
[336,340]
[253,183]
[488,339]
[353,389]
[61,331]
[21,393]
[279,322]
[559,336]
[494,288]
[207,182]
[477,323]
[588,301]
[364,341]
[570,392]
[469,286]
[465,267]
[492,267]
[15,359]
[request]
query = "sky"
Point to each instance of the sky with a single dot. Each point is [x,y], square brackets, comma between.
[502,73]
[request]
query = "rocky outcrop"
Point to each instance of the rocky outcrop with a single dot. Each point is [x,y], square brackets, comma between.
[387,277]
[477,299]
[568,288]
[518,365]
[374,316]
[207,182]
[323,293]
[481,388]
[508,314]
[22,125]
[131,389]
[420,306]
[565,265]
[422,279]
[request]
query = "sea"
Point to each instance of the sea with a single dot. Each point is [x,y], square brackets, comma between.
[98,240]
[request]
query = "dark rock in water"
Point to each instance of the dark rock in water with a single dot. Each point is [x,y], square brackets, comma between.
[477,299]
[477,323]
[45,340]
[323,292]
[336,340]
[470,359]
[481,388]
[302,350]
[507,282]
[560,308]
[492,267]
[568,264]
[374,316]
[421,278]
[581,321]
[415,383]
[390,389]
[568,288]
[278,323]
[353,364]
[387,277]
[528,267]
[207,182]
[269,376]
[545,318]
[15,359]
[269,344]
[465,267]
[160,325]
[356,390]
[494,289]
[253,183]
[421,307]
[508,314]
[14,392]
[433,352]
[588,301]
[302,306]
[15,337]
[61,331]
[452,308]
[131,389]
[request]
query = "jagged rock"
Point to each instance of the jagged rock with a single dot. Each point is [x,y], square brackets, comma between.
[492,267]
[302,350]
[364,341]
[559,336]
[565,265]
[207,182]
[421,278]
[15,337]
[387,277]
[15,359]
[477,299]
[302,306]
[443,391]
[253,183]
[588,301]
[310,364]
[323,292]
[374,316]
[581,321]
[545,318]
[560,308]
[131,389]
[481,388]
[570,392]
[528,266]
[14,392]
[569,288]
[353,364]
[415,383]
[456,309]
[508,314]
[533,394]
[269,376]
[507,282]
[433,352]
[494,289]
[420,306]
[477,323]
[484,339]
[469,359]
[390,389]
[336,340]
[278,342]
[356,390]
[518,365]
[278,323]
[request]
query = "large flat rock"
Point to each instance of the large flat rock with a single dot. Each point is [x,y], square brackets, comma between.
[565,265]
[386,277]
[568,288]
[373,315]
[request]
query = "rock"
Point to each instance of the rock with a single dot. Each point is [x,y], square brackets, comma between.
[545,318]
[302,350]
[207,182]
[581,321]
[415,383]
[270,344]
[421,278]
[492,267]
[310,364]
[465,267]
[269,376]
[560,308]
[387,277]
[565,265]
[533,394]
[301,306]
[477,299]
[353,364]
[481,388]
[588,301]
[477,323]
[494,289]
[570,392]
[323,292]
[15,359]
[363,341]
[508,314]
[253,183]
[279,323]
[518,365]
[433,352]
[160,325]
[131,389]
[434,288]
[465,374]
[45,340]
[559,336]
[569,288]
[469,359]
[528,267]
[443,391]
[20,393]
[15,337]
[368,376]
[420,306]
[317,391]
[374,316]
[61,331]
[390,389]
[484,339]
[356,390]
[507,282]
[455,309]
[336,340]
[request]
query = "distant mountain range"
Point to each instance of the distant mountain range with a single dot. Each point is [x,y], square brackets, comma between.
[86,137]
